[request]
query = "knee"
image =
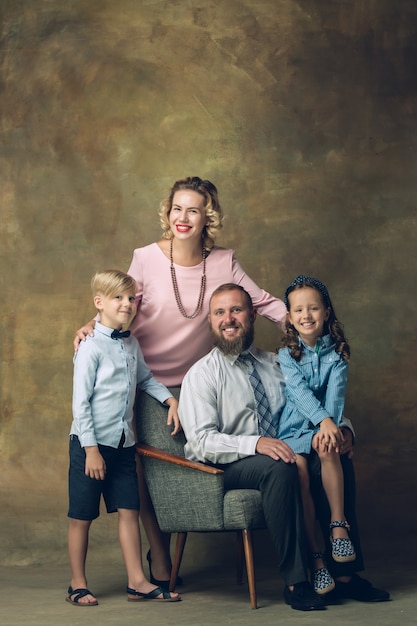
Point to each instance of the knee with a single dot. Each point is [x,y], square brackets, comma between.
[331,457]
[284,473]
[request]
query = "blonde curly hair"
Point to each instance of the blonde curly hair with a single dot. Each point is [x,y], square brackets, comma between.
[214,213]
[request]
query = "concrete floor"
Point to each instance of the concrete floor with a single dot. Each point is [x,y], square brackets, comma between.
[34,596]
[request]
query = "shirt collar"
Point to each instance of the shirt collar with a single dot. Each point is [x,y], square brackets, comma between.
[232,358]
[104,330]
[323,342]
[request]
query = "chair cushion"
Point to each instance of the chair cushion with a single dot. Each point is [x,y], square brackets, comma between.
[243,509]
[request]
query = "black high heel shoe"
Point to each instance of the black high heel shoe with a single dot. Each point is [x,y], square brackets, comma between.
[164,584]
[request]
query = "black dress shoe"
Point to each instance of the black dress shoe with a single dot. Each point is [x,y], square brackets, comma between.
[164,584]
[303,598]
[331,599]
[360,589]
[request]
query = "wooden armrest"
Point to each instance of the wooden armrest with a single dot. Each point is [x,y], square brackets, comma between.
[155,453]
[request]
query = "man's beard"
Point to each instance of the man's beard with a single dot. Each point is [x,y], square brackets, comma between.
[234,346]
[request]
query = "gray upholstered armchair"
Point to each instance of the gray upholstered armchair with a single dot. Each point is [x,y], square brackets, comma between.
[190,497]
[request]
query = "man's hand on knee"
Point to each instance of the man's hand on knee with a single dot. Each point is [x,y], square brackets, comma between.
[276,449]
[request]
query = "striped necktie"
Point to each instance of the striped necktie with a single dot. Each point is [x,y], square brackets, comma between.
[266,426]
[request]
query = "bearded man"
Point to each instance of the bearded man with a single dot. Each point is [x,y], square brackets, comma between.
[230,404]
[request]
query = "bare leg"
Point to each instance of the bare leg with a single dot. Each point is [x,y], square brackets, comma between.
[77,548]
[159,542]
[332,477]
[309,510]
[130,542]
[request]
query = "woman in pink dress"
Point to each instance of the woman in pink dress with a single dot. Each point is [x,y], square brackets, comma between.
[176,277]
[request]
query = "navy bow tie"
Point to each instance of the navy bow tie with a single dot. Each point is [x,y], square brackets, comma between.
[118,334]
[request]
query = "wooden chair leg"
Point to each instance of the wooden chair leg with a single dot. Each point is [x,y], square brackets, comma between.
[239,557]
[250,569]
[179,551]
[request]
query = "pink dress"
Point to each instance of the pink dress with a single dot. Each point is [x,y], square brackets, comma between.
[170,342]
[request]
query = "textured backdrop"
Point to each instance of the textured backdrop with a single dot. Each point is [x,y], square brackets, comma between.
[302,112]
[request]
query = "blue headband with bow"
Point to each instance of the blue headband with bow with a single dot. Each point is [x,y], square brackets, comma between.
[308,281]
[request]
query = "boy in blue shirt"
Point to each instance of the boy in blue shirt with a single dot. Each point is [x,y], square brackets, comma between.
[107,369]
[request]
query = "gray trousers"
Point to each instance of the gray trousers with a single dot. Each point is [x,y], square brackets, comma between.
[281,501]
[278,484]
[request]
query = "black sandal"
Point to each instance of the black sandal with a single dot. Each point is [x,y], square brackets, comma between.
[79,593]
[152,595]
[160,583]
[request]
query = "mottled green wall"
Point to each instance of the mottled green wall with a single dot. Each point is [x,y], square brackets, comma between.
[304,115]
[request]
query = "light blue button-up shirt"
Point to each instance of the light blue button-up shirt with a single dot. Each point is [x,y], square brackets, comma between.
[106,373]
[315,388]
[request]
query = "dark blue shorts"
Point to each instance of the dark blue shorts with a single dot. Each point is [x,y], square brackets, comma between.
[119,487]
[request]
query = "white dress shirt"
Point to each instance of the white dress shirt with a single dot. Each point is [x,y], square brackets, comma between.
[217,406]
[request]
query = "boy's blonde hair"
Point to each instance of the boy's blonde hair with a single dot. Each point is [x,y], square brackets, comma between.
[111,282]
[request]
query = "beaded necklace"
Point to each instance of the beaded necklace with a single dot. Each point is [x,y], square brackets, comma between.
[176,290]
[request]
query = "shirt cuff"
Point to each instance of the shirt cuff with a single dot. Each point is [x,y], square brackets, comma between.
[247,445]
[87,440]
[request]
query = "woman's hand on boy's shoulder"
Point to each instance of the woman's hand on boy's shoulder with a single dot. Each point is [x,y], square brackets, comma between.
[82,334]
